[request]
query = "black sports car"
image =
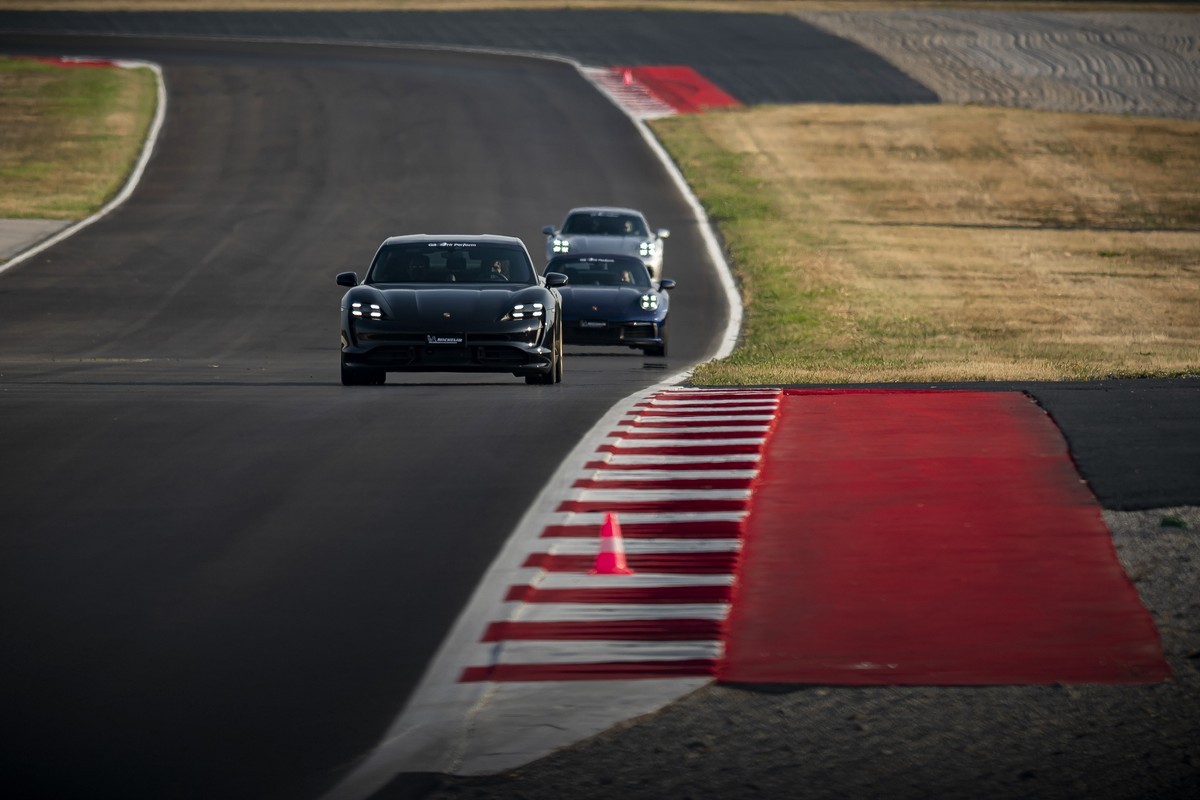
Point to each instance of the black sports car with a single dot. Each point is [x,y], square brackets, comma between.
[451,304]
[611,300]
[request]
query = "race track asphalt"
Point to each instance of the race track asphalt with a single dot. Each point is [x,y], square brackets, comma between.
[222,572]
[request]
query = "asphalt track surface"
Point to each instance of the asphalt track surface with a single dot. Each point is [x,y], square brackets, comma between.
[223,572]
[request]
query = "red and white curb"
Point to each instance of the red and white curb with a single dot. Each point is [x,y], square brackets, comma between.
[637,100]
[677,473]
[547,653]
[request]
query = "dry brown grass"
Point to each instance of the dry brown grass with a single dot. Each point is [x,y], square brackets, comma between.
[70,135]
[953,243]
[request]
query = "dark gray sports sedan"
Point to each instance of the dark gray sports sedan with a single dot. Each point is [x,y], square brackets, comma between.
[611,300]
[451,304]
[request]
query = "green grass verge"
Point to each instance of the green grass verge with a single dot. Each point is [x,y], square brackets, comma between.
[70,137]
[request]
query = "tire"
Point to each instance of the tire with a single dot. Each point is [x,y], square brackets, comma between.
[362,377]
[558,363]
[554,375]
[659,351]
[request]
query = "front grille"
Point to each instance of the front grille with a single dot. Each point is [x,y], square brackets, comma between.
[619,333]
[447,356]
[388,336]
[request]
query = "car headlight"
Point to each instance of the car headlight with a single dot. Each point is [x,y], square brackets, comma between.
[649,302]
[366,310]
[560,245]
[646,249]
[524,311]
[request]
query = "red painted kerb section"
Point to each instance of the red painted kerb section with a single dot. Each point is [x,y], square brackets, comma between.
[682,88]
[907,537]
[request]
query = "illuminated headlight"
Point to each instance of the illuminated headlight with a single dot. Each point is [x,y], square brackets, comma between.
[649,302]
[526,311]
[560,245]
[646,249]
[366,310]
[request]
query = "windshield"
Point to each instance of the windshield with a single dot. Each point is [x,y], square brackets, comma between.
[604,223]
[601,271]
[450,262]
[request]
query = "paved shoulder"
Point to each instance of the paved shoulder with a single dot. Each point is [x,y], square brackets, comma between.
[1112,63]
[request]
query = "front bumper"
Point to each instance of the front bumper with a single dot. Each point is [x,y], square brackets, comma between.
[376,346]
[628,333]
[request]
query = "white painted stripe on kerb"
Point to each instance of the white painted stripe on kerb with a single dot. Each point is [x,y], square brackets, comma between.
[640,459]
[687,422]
[658,495]
[596,652]
[638,580]
[646,443]
[599,612]
[691,429]
[650,475]
[579,546]
[692,402]
[595,518]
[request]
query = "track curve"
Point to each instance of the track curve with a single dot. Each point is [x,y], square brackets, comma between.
[225,572]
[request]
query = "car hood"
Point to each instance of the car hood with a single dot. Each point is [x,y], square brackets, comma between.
[453,309]
[600,301]
[612,245]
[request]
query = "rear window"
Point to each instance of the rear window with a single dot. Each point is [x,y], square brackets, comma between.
[450,262]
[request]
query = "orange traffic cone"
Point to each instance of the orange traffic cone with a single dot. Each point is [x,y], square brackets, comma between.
[611,558]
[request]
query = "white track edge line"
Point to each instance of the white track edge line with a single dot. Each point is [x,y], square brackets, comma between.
[131,181]
[406,745]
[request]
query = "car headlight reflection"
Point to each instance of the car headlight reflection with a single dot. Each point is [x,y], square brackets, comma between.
[366,310]
[649,302]
[560,245]
[525,311]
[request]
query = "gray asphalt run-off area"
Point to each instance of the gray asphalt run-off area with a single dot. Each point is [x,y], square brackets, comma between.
[1063,741]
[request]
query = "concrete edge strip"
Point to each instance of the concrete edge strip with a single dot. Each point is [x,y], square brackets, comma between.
[131,182]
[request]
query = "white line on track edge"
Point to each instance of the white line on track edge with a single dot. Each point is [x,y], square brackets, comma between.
[436,729]
[130,183]
[431,733]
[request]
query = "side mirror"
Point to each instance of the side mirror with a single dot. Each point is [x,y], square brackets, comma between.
[347,279]
[666,284]
[548,230]
[663,233]
[556,279]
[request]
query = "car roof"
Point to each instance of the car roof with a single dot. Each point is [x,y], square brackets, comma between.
[604,210]
[434,238]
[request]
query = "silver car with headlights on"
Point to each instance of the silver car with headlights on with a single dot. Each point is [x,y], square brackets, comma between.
[608,230]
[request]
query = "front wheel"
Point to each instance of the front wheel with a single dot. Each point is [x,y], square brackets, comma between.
[558,362]
[659,351]
[555,375]
[362,377]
